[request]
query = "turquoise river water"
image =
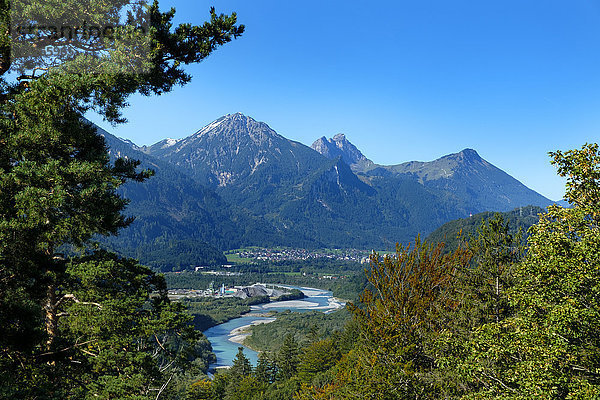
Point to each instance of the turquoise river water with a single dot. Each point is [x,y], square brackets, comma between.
[226,350]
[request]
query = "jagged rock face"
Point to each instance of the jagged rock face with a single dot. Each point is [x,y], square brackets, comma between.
[350,154]
[234,147]
[324,147]
[339,146]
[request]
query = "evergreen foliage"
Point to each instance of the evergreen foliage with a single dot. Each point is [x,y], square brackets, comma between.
[292,195]
[304,326]
[179,223]
[266,370]
[482,321]
[241,367]
[287,358]
[505,325]
[317,358]
[451,233]
[90,325]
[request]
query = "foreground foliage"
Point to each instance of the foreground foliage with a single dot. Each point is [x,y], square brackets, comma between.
[88,324]
[487,321]
[550,347]
[503,326]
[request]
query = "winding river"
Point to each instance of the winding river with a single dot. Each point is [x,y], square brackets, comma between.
[220,335]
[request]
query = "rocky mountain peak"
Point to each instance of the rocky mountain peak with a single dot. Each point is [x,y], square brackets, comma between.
[238,116]
[235,127]
[468,155]
[236,183]
[339,137]
[323,147]
[340,146]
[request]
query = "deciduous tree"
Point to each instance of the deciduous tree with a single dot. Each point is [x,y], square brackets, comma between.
[550,348]
[399,320]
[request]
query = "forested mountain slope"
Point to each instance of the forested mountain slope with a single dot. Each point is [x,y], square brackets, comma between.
[237,182]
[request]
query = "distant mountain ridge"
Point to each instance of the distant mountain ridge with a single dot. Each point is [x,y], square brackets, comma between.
[173,211]
[339,146]
[231,149]
[472,182]
[267,189]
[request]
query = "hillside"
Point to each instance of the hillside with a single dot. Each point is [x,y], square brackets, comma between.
[520,218]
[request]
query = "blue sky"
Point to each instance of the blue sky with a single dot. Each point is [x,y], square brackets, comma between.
[403,80]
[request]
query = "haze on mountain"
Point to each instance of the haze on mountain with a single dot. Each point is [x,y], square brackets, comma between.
[237,182]
[471,180]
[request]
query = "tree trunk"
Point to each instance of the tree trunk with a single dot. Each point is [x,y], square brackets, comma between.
[51,315]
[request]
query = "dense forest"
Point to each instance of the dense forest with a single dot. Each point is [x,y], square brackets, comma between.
[492,319]
[454,232]
[305,327]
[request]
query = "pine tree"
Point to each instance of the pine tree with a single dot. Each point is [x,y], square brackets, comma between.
[242,383]
[496,251]
[266,370]
[76,326]
[288,358]
[241,366]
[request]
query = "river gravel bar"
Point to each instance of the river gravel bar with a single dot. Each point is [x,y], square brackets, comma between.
[238,335]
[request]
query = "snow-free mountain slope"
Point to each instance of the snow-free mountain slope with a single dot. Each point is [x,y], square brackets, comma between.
[339,146]
[475,184]
[479,184]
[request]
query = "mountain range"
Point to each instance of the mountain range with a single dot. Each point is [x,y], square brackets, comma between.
[236,182]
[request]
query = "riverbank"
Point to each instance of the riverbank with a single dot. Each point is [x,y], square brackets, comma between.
[228,337]
[238,335]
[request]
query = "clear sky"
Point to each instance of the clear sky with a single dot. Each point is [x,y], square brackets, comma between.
[404,80]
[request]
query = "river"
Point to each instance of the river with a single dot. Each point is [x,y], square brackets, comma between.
[220,335]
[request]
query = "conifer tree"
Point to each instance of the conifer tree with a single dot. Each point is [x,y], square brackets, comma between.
[496,251]
[265,370]
[76,326]
[288,358]
[241,366]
